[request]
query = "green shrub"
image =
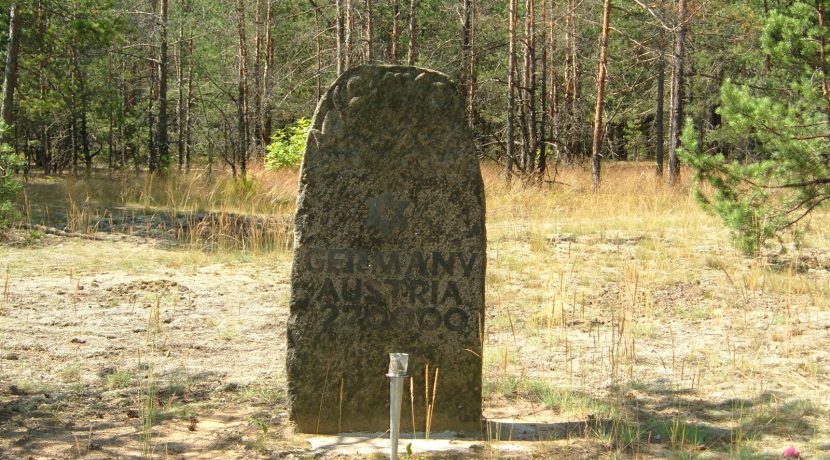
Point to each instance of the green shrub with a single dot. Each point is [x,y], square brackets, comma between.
[287,145]
[10,162]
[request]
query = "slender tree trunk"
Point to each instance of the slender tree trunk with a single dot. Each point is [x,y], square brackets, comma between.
[511,83]
[553,96]
[396,33]
[659,111]
[571,96]
[349,29]
[543,79]
[189,106]
[464,68]
[370,31]
[596,150]
[162,143]
[268,71]
[412,52]
[531,122]
[318,85]
[258,140]
[341,35]
[152,151]
[242,95]
[10,72]
[678,83]
[180,101]
[122,122]
[573,58]
[472,83]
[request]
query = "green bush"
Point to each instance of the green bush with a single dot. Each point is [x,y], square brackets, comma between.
[10,162]
[287,145]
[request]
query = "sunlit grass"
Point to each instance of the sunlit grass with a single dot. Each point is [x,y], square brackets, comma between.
[629,305]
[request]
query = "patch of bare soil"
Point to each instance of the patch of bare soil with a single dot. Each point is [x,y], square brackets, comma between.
[116,361]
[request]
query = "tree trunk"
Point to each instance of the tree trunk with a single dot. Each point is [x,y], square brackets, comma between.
[396,33]
[180,101]
[529,105]
[596,153]
[571,133]
[258,139]
[349,29]
[318,77]
[676,122]
[543,80]
[242,95]
[340,33]
[268,71]
[412,53]
[10,72]
[553,96]
[472,83]
[162,143]
[370,31]
[659,141]
[188,138]
[511,69]
[464,68]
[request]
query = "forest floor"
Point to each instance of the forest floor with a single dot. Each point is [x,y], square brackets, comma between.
[619,325]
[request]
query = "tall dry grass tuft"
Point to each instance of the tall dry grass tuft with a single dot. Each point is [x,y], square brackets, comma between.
[209,211]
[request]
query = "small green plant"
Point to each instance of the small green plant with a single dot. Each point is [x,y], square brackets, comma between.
[71,373]
[262,435]
[119,379]
[287,144]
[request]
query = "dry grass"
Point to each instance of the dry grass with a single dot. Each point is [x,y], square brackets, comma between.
[635,298]
[625,310]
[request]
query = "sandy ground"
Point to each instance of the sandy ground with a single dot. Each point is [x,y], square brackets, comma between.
[97,333]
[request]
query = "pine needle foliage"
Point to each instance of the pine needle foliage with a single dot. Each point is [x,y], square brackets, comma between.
[768,163]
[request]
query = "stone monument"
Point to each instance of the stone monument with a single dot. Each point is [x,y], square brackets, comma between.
[389,256]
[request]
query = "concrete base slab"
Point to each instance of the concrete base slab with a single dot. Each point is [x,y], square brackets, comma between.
[377,444]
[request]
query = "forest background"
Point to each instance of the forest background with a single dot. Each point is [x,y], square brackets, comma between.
[165,84]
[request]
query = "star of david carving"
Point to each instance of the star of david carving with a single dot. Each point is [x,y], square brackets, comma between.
[386,213]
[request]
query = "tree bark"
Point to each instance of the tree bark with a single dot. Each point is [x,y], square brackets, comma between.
[162,143]
[396,33]
[677,105]
[543,79]
[340,34]
[596,149]
[349,28]
[571,131]
[188,138]
[529,103]
[268,72]
[242,95]
[180,76]
[659,142]
[10,72]
[553,96]
[370,31]
[412,52]
[511,69]
[258,138]
[472,83]
[466,55]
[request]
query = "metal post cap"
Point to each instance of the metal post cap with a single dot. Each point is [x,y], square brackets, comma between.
[398,362]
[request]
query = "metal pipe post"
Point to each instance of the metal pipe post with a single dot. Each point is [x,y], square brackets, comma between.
[398,363]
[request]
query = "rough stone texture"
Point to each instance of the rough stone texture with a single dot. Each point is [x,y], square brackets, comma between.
[389,255]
